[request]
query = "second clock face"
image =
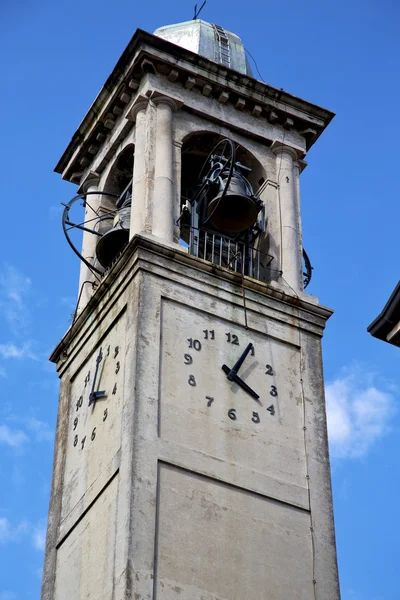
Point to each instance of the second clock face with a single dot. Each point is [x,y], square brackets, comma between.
[229,391]
[95,395]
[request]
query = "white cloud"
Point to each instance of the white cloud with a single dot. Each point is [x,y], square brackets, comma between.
[39,536]
[12,437]
[5,530]
[358,413]
[14,288]
[30,430]
[8,533]
[18,533]
[10,350]
[41,430]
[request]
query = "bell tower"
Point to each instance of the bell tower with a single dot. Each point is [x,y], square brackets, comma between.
[191,457]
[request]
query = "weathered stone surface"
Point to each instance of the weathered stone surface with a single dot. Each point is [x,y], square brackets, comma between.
[172,495]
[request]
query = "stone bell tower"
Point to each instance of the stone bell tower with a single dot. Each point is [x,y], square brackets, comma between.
[191,455]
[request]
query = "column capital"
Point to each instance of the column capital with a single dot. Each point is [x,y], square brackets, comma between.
[92,180]
[301,165]
[159,98]
[140,103]
[279,148]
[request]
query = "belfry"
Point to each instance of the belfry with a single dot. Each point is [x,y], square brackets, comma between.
[191,457]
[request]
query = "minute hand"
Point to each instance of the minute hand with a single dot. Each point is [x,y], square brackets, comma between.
[240,382]
[238,364]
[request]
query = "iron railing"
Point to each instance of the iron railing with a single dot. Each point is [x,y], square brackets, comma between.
[237,256]
[225,252]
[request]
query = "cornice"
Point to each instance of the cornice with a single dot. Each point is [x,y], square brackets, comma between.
[147,53]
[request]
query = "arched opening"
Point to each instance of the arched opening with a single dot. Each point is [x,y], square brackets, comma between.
[121,172]
[221,214]
[195,150]
[115,210]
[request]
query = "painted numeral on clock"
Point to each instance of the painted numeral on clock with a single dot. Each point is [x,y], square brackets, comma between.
[210,400]
[196,344]
[192,381]
[231,338]
[209,334]
[114,389]
[75,440]
[87,379]
[255,418]
[188,359]
[269,370]
[83,440]
[93,434]
[232,414]
[75,423]
[117,367]
[105,414]
[274,391]
[79,402]
[271,410]
[108,350]
[116,351]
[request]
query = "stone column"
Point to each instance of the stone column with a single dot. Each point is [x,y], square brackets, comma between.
[163,198]
[290,246]
[89,240]
[140,179]
[296,174]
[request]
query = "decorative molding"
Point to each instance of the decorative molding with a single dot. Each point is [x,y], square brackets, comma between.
[158,98]
[92,180]
[223,97]
[190,83]
[267,183]
[278,147]
[140,103]
[245,94]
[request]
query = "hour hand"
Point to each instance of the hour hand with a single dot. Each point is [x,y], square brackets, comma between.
[95,396]
[240,382]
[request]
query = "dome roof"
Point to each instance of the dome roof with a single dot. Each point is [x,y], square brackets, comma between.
[210,41]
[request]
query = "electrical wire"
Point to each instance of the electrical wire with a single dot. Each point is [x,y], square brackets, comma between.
[255,64]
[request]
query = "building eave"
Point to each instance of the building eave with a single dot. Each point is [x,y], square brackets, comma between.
[388,319]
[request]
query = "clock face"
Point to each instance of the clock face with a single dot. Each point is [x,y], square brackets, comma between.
[231,392]
[94,415]
[97,388]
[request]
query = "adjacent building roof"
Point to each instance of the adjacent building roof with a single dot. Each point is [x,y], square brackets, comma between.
[386,326]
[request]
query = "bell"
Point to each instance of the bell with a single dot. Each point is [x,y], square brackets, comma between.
[235,211]
[111,243]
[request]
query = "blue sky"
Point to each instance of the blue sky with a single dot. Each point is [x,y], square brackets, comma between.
[343,56]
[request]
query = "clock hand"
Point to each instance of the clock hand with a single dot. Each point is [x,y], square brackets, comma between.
[239,362]
[240,382]
[94,395]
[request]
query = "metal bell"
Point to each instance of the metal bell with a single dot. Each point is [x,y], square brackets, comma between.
[112,242]
[236,210]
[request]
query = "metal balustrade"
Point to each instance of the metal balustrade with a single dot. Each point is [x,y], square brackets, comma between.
[225,252]
[237,256]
